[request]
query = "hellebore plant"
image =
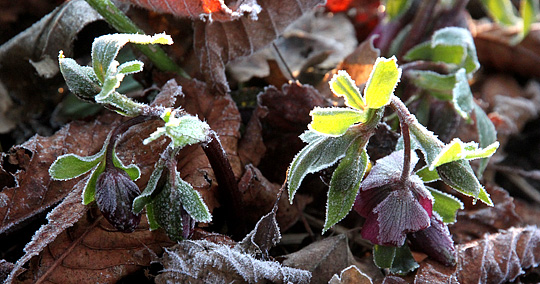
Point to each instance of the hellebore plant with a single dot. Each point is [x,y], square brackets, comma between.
[393,197]
[170,202]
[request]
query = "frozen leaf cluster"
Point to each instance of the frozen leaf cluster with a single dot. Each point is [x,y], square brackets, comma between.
[99,82]
[182,129]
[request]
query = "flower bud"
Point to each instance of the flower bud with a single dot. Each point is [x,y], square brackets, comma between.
[115,193]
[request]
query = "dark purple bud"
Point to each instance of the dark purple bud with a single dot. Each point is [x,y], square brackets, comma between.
[115,193]
[435,241]
[393,207]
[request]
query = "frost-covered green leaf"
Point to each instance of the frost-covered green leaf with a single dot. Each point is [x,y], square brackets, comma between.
[167,211]
[460,176]
[132,170]
[345,183]
[90,187]
[192,201]
[71,166]
[529,13]
[146,196]
[428,175]
[309,136]
[343,86]
[152,222]
[462,97]
[396,8]
[130,67]
[502,11]
[487,135]
[445,205]
[105,49]
[398,260]
[334,121]
[428,143]
[183,130]
[317,155]
[433,81]
[458,150]
[81,80]
[451,45]
[382,82]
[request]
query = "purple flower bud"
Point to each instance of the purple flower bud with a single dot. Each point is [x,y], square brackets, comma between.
[435,241]
[392,207]
[115,193]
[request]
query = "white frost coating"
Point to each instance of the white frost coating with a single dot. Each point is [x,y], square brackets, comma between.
[206,262]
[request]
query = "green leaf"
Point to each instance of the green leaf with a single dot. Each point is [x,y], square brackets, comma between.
[90,187]
[486,135]
[192,201]
[458,150]
[445,205]
[460,176]
[529,12]
[433,81]
[345,183]
[462,97]
[428,175]
[146,196]
[151,217]
[317,155]
[334,121]
[343,86]
[451,45]
[398,260]
[130,67]
[183,130]
[167,211]
[105,49]
[309,136]
[382,82]
[502,11]
[383,256]
[71,166]
[132,170]
[396,8]
[81,80]
[429,144]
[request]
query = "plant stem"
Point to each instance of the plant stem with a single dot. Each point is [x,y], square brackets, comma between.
[419,25]
[123,24]
[405,118]
[228,187]
[118,132]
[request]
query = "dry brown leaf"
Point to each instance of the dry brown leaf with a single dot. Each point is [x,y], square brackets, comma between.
[284,115]
[29,65]
[213,10]
[94,252]
[28,164]
[350,275]
[259,195]
[496,258]
[323,258]
[218,43]
[495,50]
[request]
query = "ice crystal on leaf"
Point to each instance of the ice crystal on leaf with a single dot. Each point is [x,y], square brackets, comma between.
[393,207]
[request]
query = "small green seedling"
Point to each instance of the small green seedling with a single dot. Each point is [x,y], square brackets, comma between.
[393,197]
[172,204]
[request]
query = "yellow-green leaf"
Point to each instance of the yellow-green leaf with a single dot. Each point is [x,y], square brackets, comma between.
[382,82]
[458,150]
[334,121]
[343,86]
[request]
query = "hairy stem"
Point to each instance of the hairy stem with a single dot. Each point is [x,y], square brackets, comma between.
[123,24]
[118,132]
[228,187]
[406,151]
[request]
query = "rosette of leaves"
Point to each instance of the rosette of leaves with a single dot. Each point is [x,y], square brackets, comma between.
[394,200]
[171,202]
[176,205]
[454,49]
[98,83]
